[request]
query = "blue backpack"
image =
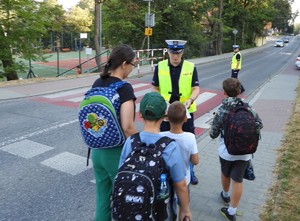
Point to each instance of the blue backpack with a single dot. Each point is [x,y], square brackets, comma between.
[99,117]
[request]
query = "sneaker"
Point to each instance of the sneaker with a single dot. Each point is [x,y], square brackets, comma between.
[194,180]
[225,199]
[224,212]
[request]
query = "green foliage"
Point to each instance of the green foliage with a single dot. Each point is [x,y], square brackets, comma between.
[206,25]
[22,24]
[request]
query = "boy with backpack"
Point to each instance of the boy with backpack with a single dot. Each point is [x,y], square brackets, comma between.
[130,202]
[239,127]
[177,115]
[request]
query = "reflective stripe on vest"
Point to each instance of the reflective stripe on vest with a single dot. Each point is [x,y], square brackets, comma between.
[185,82]
[234,61]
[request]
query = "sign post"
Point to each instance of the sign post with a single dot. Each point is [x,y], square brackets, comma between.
[234,31]
[84,36]
[149,22]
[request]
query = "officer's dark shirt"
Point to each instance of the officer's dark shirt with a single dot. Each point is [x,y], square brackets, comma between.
[238,57]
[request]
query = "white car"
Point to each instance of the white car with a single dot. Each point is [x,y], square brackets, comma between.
[279,43]
[298,62]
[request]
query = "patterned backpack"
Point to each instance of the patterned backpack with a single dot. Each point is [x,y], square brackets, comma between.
[240,134]
[98,117]
[136,185]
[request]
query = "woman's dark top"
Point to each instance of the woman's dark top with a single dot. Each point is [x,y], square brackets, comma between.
[126,92]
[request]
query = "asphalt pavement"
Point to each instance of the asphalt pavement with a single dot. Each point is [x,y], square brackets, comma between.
[273,102]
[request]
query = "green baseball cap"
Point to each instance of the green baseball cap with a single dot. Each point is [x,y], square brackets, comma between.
[153,106]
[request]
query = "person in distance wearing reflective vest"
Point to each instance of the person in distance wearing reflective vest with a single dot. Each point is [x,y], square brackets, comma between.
[236,63]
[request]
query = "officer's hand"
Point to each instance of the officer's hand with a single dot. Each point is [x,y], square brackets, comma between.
[188,103]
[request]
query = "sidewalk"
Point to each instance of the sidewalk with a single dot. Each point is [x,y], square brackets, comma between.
[273,102]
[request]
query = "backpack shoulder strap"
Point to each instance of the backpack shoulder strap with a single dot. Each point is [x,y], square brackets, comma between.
[118,84]
[135,140]
[163,142]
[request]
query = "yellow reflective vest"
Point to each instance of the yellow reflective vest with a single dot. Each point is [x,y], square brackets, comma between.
[184,84]
[234,61]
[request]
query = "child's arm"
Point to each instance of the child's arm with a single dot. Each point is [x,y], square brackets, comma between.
[194,159]
[183,195]
[215,128]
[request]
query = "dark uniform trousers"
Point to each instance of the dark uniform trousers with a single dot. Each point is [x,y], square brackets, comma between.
[187,126]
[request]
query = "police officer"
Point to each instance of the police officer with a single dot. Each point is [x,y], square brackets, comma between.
[177,80]
[236,63]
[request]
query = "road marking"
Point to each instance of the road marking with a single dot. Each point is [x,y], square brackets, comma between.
[65,93]
[76,99]
[38,132]
[203,121]
[26,148]
[142,92]
[205,96]
[68,163]
[135,86]
[139,85]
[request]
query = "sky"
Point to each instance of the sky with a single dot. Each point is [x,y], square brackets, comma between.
[295,7]
[68,3]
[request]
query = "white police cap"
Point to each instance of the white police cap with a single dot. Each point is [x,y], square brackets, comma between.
[235,46]
[176,45]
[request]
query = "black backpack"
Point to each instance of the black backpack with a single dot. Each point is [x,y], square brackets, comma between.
[137,183]
[240,134]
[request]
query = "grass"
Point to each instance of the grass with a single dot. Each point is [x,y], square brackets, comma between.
[284,198]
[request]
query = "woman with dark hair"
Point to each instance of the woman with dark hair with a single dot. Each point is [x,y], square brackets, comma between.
[105,161]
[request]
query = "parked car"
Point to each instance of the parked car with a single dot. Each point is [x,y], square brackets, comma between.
[286,39]
[279,43]
[298,62]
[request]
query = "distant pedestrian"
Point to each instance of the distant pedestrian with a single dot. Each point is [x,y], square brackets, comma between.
[177,115]
[232,166]
[177,80]
[236,64]
[105,161]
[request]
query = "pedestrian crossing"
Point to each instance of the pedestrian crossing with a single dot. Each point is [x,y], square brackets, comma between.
[73,164]
[206,101]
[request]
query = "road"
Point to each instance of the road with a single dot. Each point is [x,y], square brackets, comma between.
[43,172]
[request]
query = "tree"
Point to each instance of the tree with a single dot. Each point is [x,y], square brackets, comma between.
[22,24]
[80,19]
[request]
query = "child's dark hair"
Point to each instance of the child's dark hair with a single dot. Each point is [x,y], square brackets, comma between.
[232,87]
[116,58]
[176,112]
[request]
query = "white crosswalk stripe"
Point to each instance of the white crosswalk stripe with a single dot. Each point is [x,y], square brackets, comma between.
[68,163]
[26,148]
[204,97]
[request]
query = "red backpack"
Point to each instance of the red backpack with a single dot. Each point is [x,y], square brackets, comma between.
[240,134]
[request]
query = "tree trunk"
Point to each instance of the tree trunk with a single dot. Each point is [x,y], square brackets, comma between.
[219,42]
[9,72]
[97,31]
